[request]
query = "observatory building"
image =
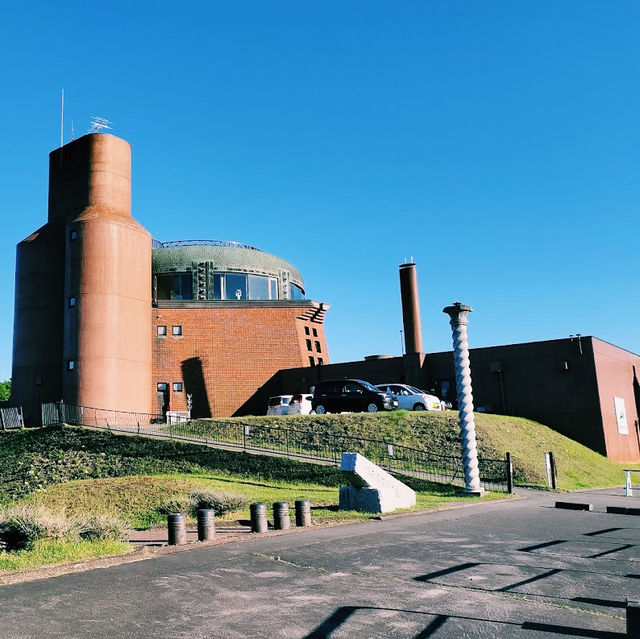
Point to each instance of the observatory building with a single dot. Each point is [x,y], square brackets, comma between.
[106,318]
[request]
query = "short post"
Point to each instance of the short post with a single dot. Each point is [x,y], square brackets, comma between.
[458,313]
[258,518]
[509,463]
[633,618]
[628,492]
[303,513]
[552,471]
[281,518]
[177,523]
[206,524]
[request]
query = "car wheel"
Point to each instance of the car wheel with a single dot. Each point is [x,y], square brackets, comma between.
[320,409]
[372,408]
[418,407]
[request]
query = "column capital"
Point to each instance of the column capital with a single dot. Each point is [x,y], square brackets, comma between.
[458,313]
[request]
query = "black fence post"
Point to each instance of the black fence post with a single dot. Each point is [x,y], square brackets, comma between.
[509,465]
[552,465]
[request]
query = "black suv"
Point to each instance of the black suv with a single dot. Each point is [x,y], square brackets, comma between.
[351,396]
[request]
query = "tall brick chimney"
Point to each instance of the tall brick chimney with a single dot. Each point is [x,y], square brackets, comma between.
[410,308]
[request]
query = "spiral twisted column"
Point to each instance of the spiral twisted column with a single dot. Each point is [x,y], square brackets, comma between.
[459,321]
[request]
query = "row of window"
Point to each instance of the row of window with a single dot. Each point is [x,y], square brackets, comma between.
[223,286]
[312,361]
[315,331]
[163,387]
[175,330]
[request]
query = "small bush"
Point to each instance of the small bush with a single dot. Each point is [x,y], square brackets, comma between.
[220,502]
[175,504]
[103,527]
[22,526]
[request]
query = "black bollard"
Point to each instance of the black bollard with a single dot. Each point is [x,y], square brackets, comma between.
[258,518]
[206,524]
[177,523]
[281,519]
[303,512]
[633,618]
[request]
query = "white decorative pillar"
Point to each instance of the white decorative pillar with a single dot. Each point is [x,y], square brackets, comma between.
[459,321]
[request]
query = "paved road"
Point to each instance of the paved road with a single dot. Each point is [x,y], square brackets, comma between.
[504,570]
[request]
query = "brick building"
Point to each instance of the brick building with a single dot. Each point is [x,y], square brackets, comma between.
[226,317]
[107,319]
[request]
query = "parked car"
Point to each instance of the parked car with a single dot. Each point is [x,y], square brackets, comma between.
[300,404]
[279,405]
[350,396]
[411,398]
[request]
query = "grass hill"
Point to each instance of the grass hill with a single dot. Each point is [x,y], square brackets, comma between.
[85,474]
[438,432]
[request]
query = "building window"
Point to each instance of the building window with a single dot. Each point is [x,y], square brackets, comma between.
[72,301]
[258,287]
[315,332]
[71,364]
[162,387]
[73,235]
[176,330]
[320,361]
[306,330]
[273,289]
[235,287]
[312,362]
[296,292]
[309,348]
[177,387]
[162,331]
[318,349]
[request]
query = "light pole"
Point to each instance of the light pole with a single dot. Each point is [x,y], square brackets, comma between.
[458,313]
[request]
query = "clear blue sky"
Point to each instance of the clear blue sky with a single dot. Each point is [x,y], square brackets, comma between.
[495,142]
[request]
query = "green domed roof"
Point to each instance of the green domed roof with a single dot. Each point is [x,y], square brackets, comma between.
[223,256]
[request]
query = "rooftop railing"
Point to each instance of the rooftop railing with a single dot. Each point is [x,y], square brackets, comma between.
[157,244]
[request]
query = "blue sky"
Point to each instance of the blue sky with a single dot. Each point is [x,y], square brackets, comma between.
[496,143]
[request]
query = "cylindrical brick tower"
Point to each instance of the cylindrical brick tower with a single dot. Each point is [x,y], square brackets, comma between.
[410,308]
[106,358]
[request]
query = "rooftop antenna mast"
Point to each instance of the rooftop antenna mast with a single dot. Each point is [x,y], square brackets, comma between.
[62,120]
[99,124]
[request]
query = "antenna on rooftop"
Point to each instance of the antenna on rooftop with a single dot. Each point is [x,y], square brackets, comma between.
[62,119]
[99,124]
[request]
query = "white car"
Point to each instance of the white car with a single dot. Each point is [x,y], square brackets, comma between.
[300,404]
[411,398]
[279,405]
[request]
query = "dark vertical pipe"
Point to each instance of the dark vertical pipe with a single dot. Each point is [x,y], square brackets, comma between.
[410,308]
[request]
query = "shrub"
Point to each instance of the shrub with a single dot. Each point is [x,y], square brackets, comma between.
[175,504]
[220,502]
[103,527]
[22,526]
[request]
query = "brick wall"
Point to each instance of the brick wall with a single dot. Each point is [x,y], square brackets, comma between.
[226,352]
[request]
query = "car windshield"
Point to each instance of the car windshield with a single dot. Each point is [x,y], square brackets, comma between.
[415,390]
[370,387]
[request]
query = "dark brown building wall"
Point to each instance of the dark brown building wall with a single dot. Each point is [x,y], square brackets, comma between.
[551,382]
[615,370]
[228,350]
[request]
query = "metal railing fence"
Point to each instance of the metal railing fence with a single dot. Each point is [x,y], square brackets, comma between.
[293,443]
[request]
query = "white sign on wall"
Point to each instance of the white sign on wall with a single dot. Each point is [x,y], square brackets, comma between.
[621,415]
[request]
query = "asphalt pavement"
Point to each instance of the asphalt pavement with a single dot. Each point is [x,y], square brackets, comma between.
[506,569]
